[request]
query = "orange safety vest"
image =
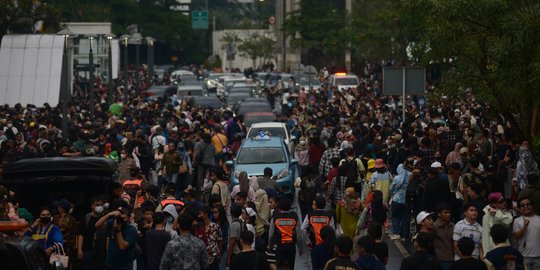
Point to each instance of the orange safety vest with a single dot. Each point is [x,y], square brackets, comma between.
[171,201]
[317,220]
[285,223]
[137,182]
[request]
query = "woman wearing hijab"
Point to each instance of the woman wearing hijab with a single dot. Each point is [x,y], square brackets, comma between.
[347,212]
[376,210]
[525,166]
[454,156]
[301,152]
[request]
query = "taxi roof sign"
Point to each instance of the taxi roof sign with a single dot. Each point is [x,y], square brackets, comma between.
[341,74]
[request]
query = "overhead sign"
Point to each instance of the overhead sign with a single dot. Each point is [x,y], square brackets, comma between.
[415,81]
[199,19]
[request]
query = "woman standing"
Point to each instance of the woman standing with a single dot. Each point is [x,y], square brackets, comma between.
[525,166]
[45,232]
[301,152]
[381,179]
[376,210]
[215,238]
[347,212]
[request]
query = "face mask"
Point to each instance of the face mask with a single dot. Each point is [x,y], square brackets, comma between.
[123,155]
[200,219]
[9,125]
[106,206]
[302,142]
[45,220]
[99,209]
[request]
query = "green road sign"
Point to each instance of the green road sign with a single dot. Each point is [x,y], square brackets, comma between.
[199,19]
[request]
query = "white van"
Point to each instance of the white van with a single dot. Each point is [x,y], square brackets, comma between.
[343,81]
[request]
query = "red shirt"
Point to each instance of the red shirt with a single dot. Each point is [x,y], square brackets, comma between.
[315,153]
[331,174]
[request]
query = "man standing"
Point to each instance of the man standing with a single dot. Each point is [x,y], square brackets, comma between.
[421,259]
[314,221]
[235,229]
[443,230]
[503,256]
[122,238]
[156,241]
[185,251]
[342,260]
[91,241]
[468,227]
[171,164]
[285,233]
[249,259]
[325,165]
[527,233]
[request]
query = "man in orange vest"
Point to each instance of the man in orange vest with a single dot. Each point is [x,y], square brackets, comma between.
[170,198]
[285,234]
[313,223]
[132,186]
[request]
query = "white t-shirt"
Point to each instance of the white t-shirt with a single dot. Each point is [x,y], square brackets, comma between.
[471,230]
[531,238]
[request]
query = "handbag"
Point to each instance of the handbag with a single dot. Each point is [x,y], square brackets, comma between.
[59,256]
[183,167]
[225,149]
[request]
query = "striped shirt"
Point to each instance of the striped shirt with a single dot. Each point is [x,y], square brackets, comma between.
[325,165]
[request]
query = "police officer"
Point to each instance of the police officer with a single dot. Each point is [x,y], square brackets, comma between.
[285,233]
[311,228]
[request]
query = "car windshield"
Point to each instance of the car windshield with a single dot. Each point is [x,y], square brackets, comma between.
[261,155]
[270,131]
[346,81]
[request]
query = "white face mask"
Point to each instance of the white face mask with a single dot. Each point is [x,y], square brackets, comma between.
[99,209]
[105,205]
[123,155]
[302,142]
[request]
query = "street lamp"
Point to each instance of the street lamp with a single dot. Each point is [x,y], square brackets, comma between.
[150,42]
[110,75]
[90,94]
[137,39]
[64,85]
[125,39]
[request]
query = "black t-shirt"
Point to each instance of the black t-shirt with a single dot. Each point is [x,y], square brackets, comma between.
[381,251]
[469,263]
[341,263]
[87,228]
[156,240]
[246,261]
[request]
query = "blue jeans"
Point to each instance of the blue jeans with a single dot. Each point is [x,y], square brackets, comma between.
[401,220]
[172,178]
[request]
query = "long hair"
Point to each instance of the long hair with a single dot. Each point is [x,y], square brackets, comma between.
[378,212]
[329,239]
[243,181]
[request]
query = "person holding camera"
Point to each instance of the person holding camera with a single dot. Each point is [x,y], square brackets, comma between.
[122,237]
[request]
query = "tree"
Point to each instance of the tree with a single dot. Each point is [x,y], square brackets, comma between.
[20,17]
[320,27]
[257,46]
[494,48]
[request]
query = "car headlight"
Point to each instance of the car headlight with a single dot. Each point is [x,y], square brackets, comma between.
[236,174]
[283,173]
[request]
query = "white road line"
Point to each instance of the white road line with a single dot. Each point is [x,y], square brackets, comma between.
[401,248]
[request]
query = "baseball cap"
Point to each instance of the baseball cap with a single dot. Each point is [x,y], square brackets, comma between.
[436,164]
[422,215]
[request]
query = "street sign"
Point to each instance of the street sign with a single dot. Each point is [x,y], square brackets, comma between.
[199,19]
[415,81]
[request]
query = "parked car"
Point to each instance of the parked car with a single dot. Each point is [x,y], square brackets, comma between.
[190,90]
[256,153]
[203,102]
[276,129]
[245,107]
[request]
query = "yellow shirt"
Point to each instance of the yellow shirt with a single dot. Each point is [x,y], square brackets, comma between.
[219,141]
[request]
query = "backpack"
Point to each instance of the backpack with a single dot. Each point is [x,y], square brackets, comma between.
[351,171]
[243,227]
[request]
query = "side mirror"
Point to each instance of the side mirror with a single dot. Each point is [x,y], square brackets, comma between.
[229,163]
[294,162]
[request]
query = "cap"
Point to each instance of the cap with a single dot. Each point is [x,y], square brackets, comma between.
[379,163]
[436,164]
[495,197]
[422,215]
[250,212]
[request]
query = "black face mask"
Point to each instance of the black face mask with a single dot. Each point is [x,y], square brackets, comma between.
[200,219]
[44,220]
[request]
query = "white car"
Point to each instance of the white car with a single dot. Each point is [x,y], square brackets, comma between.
[274,129]
[343,81]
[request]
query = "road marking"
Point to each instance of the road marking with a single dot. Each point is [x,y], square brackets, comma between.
[401,248]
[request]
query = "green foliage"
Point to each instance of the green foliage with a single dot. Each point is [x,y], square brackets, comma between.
[493,45]
[320,26]
[257,47]
[20,17]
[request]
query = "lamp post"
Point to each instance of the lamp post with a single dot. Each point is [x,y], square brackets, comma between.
[92,79]
[110,75]
[150,43]
[64,85]
[125,39]
[137,40]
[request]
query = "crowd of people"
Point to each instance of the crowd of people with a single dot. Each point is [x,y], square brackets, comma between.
[456,169]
